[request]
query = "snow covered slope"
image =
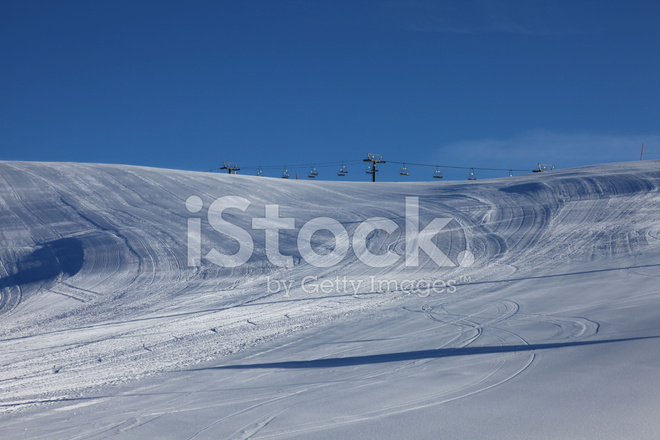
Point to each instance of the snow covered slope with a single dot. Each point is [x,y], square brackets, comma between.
[540,322]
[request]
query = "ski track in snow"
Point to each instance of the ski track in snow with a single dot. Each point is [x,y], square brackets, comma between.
[113,301]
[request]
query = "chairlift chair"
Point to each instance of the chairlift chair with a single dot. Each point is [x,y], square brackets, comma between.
[313,173]
[543,167]
[369,170]
[437,174]
[510,173]
[404,171]
[472,176]
[285,174]
[260,173]
[342,170]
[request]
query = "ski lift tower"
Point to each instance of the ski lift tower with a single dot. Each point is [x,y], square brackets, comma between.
[374,159]
[231,167]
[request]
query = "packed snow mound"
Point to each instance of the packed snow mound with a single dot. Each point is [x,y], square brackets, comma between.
[100,277]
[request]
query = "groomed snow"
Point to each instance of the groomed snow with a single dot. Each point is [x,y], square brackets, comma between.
[552,331]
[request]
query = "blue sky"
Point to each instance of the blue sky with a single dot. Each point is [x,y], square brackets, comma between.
[191,84]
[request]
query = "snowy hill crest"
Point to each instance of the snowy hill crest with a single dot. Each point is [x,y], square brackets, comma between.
[115,272]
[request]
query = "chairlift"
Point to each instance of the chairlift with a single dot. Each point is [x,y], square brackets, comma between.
[342,170]
[313,173]
[260,173]
[437,174]
[472,176]
[285,174]
[543,167]
[404,171]
[510,173]
[369,170]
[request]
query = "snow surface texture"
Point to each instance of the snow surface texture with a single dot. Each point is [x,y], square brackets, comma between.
[552,330]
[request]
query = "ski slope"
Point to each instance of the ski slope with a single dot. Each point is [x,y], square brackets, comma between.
[548,325]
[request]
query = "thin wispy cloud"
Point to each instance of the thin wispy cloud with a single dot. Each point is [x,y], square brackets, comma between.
[561,149]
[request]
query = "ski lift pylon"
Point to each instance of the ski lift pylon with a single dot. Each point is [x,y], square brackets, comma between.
[231,167]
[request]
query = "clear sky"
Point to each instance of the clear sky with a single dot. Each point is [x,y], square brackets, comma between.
[190,84]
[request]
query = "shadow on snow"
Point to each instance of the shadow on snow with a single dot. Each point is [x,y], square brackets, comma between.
[63,256]
[415,355]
